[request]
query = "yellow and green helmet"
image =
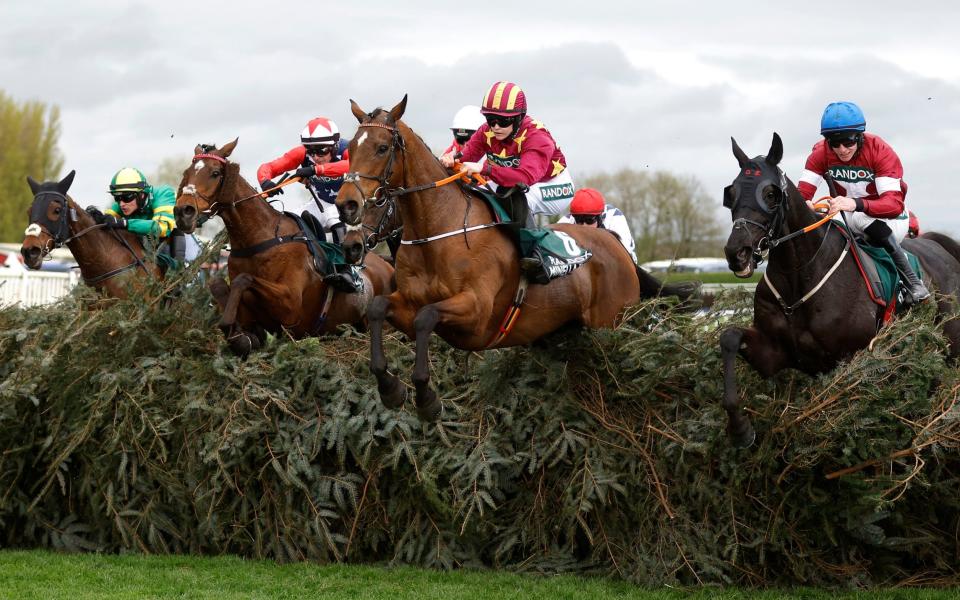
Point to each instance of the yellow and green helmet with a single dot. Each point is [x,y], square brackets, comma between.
[128,179]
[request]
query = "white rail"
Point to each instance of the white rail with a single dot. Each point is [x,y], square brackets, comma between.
[33,288]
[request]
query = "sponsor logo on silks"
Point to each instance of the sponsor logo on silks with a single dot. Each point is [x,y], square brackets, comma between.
[558,267]
[560,191]
[851,174]
[504,161]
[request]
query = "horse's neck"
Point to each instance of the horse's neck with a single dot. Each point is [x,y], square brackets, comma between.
[790,256]
[95,249]
[433,211]
[250,221]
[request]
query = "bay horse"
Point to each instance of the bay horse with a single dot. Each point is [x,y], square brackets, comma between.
[825,313]
[457,273]
[109,259]
[274,283]
[380,223]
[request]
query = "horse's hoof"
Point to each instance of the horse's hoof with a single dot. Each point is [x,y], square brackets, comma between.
[393,394]
[429,406]
[744,439]
[241,344]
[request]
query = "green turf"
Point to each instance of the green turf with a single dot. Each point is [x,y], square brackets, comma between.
[40,574]
[709,277]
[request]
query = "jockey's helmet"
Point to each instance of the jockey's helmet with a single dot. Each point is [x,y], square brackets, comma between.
[504,99]
[128,182]
[587,201]
[467,120]
[842,117]
[320,131]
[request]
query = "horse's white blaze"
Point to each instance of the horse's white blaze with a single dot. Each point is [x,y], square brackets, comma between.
[357,227]
[32,229]
[190,190]
[360,140]
[199,165]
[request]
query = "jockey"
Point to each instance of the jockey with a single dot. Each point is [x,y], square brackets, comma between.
[589,208]
[321,160]
[869,178]
[519,151]
[465,123]
[147,211]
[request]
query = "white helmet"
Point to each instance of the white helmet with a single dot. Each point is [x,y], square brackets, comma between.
[468,118]
[320,131]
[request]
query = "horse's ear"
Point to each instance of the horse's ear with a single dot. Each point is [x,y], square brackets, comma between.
[227,148]
[358,112]
[34,186]
[397,111]
[739,153]
[66,182]
[198,149]
[776,150]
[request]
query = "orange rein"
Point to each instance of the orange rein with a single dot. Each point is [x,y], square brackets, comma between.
[820,204]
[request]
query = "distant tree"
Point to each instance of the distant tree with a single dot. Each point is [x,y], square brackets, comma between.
[29,133]
[670,216]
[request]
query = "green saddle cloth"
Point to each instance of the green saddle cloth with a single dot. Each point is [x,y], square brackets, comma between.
[887,270]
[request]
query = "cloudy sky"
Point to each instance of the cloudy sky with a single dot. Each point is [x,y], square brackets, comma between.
[649,85]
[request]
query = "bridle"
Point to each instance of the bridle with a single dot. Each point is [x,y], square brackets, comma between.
[757,179]
[213,206]
[383,192]
[59,230]
[376,233]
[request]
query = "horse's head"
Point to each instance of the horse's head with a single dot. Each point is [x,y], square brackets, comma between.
[49,219]
[757,200]
[375,161]
[204,181]
[379,223]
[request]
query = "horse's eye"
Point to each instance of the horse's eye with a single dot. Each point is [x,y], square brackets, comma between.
[382,149]
[215,174]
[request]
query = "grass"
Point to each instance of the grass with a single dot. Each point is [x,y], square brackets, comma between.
[708,277]
[40,574]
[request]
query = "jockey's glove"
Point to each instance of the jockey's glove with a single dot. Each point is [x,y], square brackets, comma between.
[113,222]
[94,212]
[266,184]
[305,172]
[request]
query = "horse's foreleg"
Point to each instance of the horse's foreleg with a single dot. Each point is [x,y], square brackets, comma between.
[392,392]
[764,355]
[220,290]
[459,311]
[240,341]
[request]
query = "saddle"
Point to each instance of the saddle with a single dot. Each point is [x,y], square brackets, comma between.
[880,274]
[312,226]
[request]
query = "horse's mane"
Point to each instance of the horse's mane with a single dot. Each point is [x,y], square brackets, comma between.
[380,110]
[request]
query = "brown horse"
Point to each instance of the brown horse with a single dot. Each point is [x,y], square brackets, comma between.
[464,283]
[380,223]
[824,312]
[109,259]
[274,281]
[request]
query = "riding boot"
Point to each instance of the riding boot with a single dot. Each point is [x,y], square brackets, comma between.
[178,246]
[916,291]
[534,269]
[345,278]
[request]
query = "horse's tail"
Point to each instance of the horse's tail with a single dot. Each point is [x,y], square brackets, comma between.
[651,287]
[948,243]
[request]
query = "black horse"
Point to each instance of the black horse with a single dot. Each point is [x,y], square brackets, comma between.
[824,313]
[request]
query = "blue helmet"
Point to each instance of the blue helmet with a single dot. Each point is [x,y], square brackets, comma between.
[842,116]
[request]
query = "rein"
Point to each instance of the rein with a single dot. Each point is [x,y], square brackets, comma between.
[214,205]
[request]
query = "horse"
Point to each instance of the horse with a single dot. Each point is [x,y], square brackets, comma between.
[824,313]
[109,259]
[275,284]
[457,271]
[380,223]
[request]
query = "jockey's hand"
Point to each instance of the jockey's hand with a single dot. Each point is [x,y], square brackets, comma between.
[113,222]
[447,160]
[472,167]
[266,184]
[94,212]
[842,203]
[306,172]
